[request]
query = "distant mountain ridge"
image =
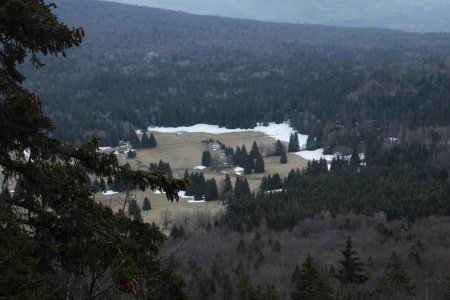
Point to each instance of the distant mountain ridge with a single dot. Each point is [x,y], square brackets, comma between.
[413,16]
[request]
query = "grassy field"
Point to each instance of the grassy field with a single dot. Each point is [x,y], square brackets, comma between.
[177,210]
[183,152]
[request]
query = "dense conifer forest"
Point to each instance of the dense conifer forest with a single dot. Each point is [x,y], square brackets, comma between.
[341,86]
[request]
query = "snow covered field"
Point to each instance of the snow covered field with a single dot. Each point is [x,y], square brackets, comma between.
[276,131]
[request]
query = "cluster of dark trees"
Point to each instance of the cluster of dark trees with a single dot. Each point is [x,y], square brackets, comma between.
[294,145]
[162,167]
[144,142]
[131,153]
[349,275]
[311,282]
[148,142]
[201,188]
[400,191]
[272,182]
[251,162]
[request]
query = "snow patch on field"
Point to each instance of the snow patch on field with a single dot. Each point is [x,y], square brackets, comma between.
[182,195]
[196,201]
[238,171]
[277,131]
[108,192]
[190,199]
[199,168]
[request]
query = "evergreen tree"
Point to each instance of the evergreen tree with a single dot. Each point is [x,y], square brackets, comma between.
[323,166]
[237,156]
[338,164]
[145,142]
[352,268]
[55,177]
[229,152]
[227,191]
[131,154]
[228,187]
[207,159]
[134,140]
[211,190]
[310,282]
[294,145]
[241,187]
[264,186]
[396,282]
[283,158]
[134,210]
[198,186]
[279,149]
[146,206]
[354,159]
[259,165]
[162,166]
[152,141]
[244,161]
[254,153]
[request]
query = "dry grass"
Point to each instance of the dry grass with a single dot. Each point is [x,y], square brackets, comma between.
[159,204]
[184,152]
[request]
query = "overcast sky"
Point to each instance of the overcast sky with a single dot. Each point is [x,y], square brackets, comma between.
[410,15]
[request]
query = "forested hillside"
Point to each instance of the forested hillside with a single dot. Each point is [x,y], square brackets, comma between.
[343,86]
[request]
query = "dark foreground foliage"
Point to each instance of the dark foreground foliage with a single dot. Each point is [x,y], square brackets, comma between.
[56,241]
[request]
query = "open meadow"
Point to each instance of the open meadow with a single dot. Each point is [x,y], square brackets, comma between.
[184,151]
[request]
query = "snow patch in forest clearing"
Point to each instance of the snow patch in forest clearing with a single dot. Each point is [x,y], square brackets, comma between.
[108,192]
[190,199]
[138,131]
[238,171]
[314,154]
[104,148]
[199,168]
[277,131]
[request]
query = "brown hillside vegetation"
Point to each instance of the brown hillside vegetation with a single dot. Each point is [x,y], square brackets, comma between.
[272,256]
